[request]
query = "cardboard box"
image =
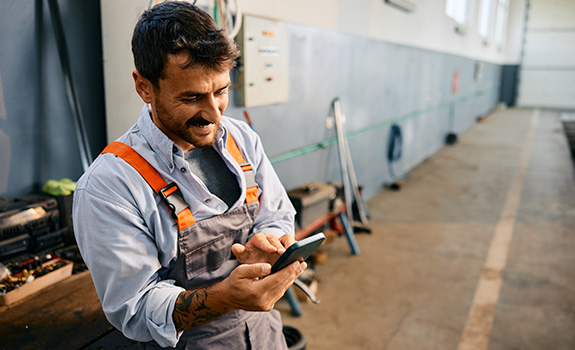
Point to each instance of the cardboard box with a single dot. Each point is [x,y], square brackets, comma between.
[38,284]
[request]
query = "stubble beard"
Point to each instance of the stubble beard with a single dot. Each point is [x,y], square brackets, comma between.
[186,133]
[199,141]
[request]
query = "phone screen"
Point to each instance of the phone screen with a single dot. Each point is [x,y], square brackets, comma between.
[300,250]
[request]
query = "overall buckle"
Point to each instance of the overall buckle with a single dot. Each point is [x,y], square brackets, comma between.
[172,197]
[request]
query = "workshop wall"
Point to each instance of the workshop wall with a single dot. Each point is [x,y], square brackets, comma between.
[378,84]
[426,26]
[37,137]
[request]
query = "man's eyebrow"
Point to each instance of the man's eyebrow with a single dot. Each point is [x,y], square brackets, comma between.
[193,93]
[189,94]
[225,86]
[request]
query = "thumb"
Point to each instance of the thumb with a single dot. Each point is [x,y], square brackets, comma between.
[254,270]
[238,250]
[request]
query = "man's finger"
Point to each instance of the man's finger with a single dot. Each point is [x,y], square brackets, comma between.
[287,240]
[262,242]
[238,250]
[283,278]
[274,241]
[253,271]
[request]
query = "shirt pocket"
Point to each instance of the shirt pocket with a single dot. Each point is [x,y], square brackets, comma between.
[208,261]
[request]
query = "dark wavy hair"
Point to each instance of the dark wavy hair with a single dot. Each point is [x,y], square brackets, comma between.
[175,26]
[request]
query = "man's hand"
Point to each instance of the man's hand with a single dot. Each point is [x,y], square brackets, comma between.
[252,288]
[262,248]
[245,288]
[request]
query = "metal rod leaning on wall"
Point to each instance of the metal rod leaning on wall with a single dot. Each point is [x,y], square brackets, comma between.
[343,160]
[354,185]
[347,170]
[80,129]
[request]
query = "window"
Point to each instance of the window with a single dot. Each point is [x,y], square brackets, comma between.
[485,20]
[501,21]
[459,10]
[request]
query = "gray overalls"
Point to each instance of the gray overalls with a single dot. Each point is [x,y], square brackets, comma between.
[205,258]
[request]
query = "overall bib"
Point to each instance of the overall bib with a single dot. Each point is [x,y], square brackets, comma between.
[205,258]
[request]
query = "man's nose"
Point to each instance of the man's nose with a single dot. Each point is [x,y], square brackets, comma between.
[212,109]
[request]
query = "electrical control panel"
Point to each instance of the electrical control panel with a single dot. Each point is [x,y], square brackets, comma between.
[264,44]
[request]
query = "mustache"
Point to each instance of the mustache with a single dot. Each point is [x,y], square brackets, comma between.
[198,121]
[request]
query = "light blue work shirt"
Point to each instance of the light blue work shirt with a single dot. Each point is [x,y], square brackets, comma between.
[129,239]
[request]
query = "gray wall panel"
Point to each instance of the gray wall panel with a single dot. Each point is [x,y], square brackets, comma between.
[39,124]
[378,83]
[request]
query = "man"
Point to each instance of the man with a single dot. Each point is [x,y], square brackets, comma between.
[180,219]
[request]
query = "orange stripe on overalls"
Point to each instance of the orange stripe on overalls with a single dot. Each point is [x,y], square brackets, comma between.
[251,185]
[169,192]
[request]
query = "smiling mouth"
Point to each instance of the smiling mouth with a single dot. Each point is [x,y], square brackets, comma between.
[198,122]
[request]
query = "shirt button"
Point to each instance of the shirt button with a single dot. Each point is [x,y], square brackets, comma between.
[171,166]
[208,200]
[183,170]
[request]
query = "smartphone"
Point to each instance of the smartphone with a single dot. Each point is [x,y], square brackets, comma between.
[299,251]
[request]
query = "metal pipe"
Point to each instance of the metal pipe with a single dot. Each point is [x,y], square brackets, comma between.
[73,100]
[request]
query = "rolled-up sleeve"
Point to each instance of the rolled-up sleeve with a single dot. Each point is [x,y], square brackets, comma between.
[129,239]
[122,257]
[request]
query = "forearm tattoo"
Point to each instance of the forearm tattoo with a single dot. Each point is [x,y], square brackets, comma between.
[191,310]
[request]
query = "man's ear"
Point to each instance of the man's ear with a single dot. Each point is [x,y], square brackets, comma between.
[143,86]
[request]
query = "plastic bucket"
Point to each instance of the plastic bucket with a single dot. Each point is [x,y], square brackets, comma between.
[294,339]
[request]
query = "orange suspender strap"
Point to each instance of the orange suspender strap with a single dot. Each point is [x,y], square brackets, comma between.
[251,185]
[170,195]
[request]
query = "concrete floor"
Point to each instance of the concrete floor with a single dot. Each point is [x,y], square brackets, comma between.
[476,251]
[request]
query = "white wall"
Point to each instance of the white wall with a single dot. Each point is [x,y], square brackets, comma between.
[426,27]
[118,21]
[547,75]
[515,31]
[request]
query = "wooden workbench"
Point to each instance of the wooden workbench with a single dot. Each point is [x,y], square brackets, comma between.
[67,315]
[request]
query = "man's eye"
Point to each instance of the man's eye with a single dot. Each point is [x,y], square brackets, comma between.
[223,91]
[190,100]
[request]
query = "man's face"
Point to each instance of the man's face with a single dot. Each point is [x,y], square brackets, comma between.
[189,104]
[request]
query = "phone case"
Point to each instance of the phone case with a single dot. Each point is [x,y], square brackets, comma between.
[300,250]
